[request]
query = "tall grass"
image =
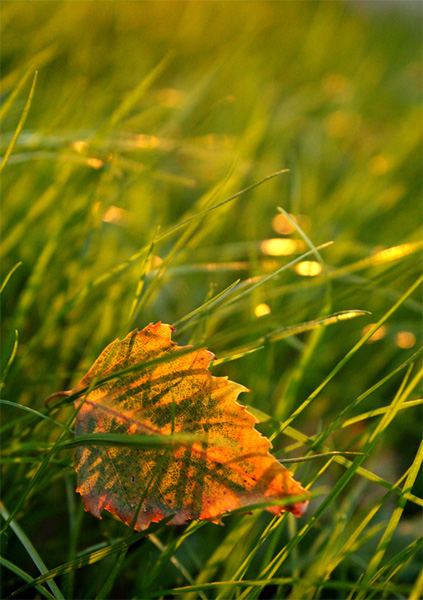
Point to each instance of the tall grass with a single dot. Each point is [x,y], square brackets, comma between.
[128,187]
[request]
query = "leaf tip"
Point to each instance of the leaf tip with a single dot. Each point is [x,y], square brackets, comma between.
[297,509]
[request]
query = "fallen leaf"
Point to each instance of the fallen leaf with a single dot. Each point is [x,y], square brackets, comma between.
[228,467]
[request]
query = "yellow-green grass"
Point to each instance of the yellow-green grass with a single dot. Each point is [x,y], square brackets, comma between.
[133,137]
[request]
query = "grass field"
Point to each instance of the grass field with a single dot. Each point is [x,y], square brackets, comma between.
[134,134]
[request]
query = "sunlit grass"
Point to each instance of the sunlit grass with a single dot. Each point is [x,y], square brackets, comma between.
[128,197]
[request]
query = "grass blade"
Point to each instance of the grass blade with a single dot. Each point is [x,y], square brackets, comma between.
[20,124]
[29,547]
[369,575]
[93,557]
[21,573]
[9,275]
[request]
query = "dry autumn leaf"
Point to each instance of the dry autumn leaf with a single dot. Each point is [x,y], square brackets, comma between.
[227,467]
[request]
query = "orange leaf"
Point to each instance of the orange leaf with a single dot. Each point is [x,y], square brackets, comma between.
[229,467]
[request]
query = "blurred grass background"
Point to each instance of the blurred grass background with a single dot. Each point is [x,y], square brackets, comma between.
[143,114]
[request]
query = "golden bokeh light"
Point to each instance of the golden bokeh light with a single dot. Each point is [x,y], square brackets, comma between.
[80,146]
[281,224]
[170,97]
[261,310]
[95,163]
[154,263]
[379,165]
[278,247]
[115,215]
[378,334]
[308,268]
[147,141]
[405,339]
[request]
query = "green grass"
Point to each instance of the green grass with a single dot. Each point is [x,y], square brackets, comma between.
[133,137]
